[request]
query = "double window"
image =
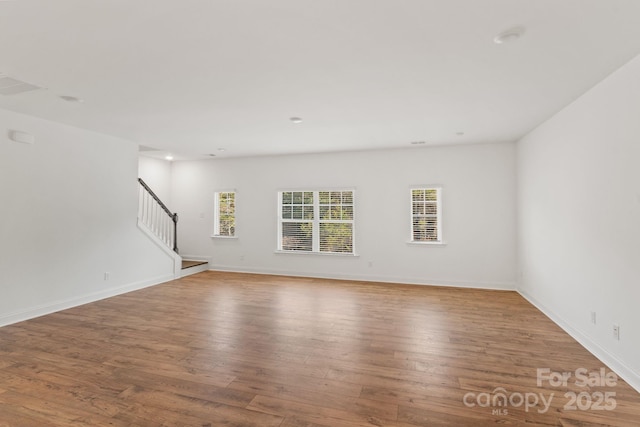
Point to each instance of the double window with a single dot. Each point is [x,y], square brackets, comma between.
[426,215]
[316,221]
[225,214]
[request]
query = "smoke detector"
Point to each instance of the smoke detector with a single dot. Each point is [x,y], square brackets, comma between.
[510,35]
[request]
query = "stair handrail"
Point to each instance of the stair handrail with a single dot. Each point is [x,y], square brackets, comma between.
[172,215]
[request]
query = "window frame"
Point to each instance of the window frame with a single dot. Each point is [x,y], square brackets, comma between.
[217,217]
[316,222]
[438,215]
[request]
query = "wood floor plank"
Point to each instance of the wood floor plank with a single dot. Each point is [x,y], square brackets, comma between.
[361,412]
[19,416]
[309,421]
[49,409]
[191,387]
[204,409]
[336,389]
[329,399]
[238,350]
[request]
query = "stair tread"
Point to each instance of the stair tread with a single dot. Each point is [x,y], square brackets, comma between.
[189,264]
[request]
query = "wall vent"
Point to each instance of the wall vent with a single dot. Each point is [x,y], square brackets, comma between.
[12,86]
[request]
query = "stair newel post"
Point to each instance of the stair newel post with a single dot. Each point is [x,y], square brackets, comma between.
[175,232]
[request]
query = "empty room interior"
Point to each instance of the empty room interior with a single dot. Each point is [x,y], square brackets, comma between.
[338,213]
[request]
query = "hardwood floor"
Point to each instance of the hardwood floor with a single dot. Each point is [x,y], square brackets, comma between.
[224,349]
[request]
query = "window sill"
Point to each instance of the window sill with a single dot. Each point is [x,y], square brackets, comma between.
[215,236]
[437,244]
[338,254]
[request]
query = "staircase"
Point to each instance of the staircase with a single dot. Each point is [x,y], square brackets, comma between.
[161,225]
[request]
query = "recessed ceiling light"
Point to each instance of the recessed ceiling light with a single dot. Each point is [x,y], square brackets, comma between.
[418,142]
[459,133]
[70,98]
[169,157]
[296,120]
[212,155]
[222,149]
[510,35]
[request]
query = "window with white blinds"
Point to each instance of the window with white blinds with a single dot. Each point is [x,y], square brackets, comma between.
[316,221]
[225,214]
[426,215]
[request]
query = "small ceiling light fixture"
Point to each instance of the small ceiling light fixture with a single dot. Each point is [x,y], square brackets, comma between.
[212,155]
[168,157]
[70,98]
[459,133]
[508,36]
[296,120]
[418,142]
[222,149]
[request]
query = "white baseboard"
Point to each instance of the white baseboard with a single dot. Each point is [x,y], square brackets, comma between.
[505,286]
[619,367]
[52,307]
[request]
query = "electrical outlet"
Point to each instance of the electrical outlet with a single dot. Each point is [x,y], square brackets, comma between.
[593,317]
[616,332]
[106,275]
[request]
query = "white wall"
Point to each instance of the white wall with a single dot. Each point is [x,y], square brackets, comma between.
[478,203]
[156,173]
[68,216]
[579,218]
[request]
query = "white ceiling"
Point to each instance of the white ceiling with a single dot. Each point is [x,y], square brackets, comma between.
[193,76]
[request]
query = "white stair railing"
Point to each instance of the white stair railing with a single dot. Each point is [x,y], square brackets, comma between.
[157,217]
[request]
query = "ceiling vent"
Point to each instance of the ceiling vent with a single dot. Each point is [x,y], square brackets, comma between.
[11,86]
[145,148]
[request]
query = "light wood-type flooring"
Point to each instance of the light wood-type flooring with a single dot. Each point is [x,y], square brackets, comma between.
[225,349]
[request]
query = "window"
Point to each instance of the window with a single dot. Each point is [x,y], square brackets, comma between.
[426,215]
[225,214]
[316,221]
